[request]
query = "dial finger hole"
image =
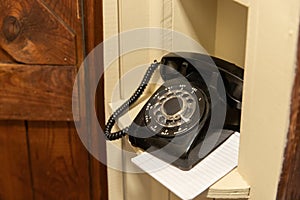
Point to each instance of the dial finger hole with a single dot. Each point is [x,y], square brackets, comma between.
[178,93]
[185,96]
[190,100]
[158,113]
[162,99]
[161,119]
[170,94]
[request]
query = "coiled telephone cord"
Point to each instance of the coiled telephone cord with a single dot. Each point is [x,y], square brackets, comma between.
[125,106]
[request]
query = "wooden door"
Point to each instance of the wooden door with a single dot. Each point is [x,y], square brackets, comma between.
[42,45]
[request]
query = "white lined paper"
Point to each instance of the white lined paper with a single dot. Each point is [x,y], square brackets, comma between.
[189,184]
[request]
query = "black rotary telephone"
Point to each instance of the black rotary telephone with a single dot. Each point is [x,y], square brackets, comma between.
[185,113]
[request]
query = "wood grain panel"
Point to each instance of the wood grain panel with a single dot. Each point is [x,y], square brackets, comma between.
[68,10]
[31,33]
[15,182]
[36,92]
[59,161]
[5,58]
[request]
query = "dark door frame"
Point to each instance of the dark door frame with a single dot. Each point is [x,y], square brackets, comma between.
[93,35]
[289,184]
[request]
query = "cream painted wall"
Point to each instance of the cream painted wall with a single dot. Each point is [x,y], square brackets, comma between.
[132,14]
[231,32]
[269,75]
[197,19]
[220,26]
[111,77]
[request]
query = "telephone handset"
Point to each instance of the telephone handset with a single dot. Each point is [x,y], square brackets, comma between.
[177,119]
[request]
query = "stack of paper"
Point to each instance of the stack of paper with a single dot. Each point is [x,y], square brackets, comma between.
[189,184]
[232,186]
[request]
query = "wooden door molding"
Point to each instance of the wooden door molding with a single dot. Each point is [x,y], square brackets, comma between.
[290,177]
[41,48]
[93,26]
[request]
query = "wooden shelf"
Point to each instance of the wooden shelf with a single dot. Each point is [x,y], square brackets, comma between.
[231,186]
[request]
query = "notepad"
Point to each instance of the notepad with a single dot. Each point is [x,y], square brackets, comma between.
[189,184]
[232,186]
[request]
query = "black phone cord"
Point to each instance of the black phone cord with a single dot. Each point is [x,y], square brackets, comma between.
[125,106]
